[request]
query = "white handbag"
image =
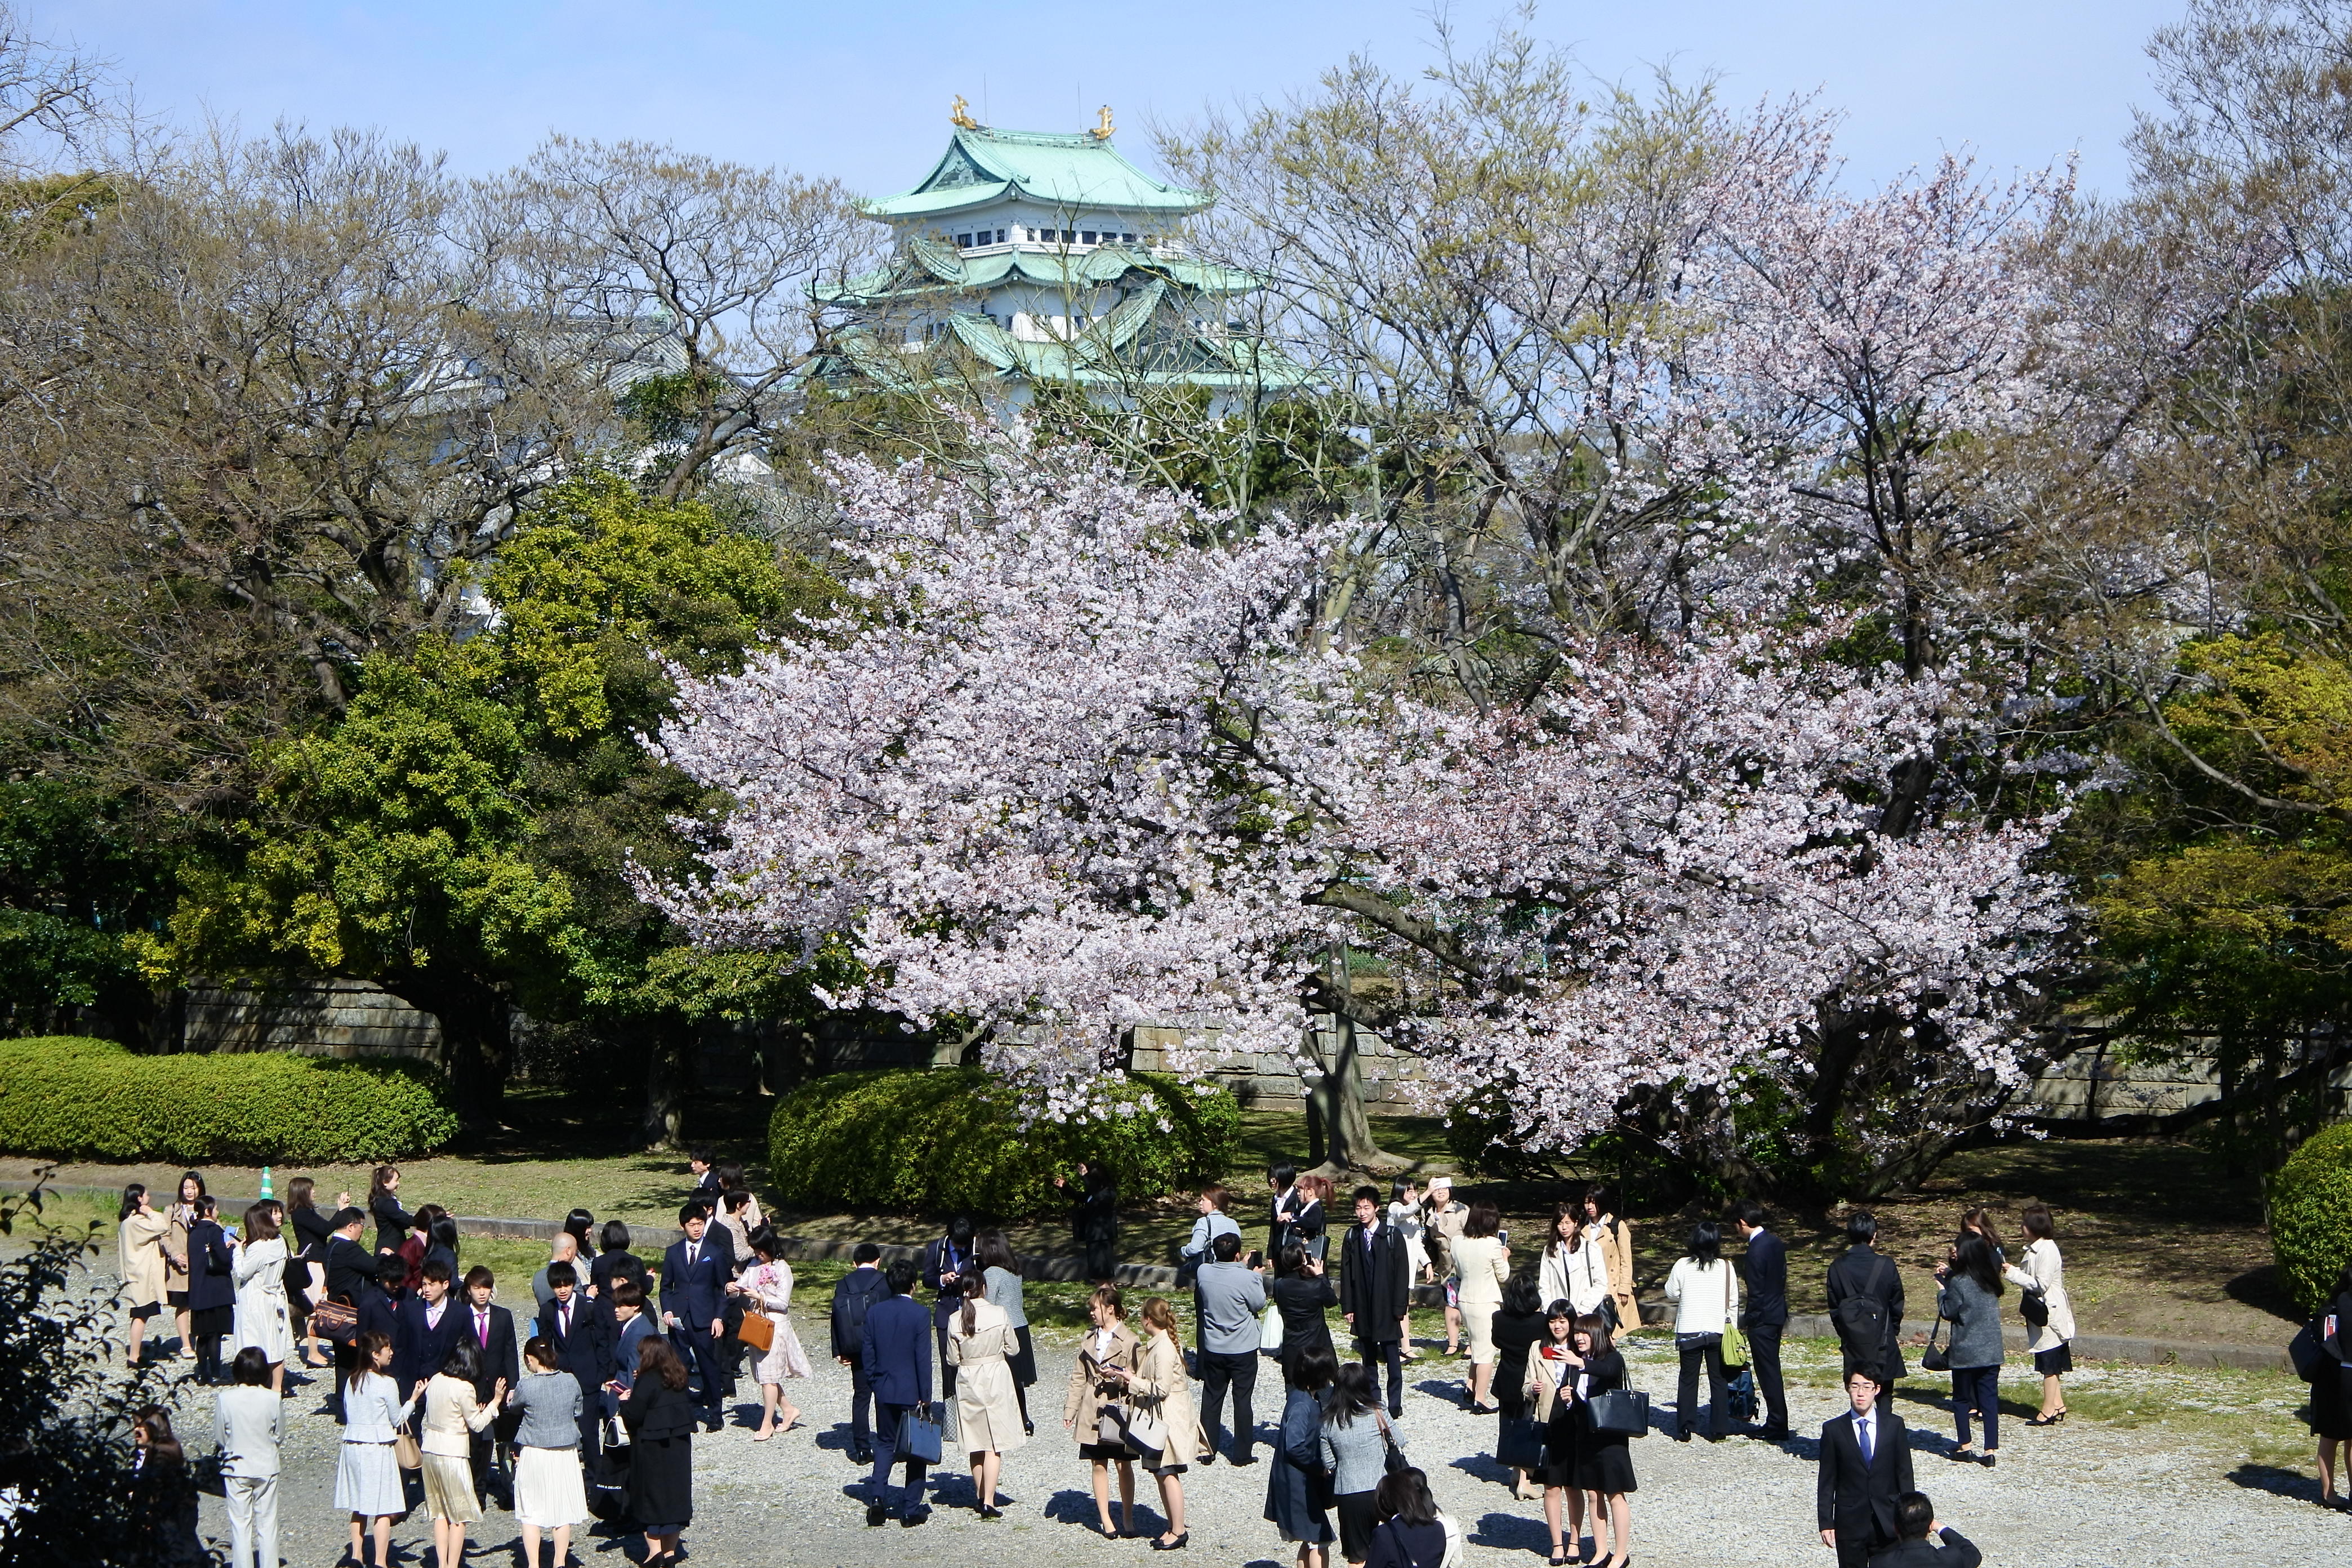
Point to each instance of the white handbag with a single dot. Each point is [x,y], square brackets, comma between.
[1269,1329]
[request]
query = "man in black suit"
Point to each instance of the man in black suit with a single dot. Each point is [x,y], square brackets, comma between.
[491,1328]
[1764,1315]
[854,1295]
[694,1272]
[1865,1466]
[896,1346]
[1372,1295]
[706,1176]
[430,1324]
[1915,1522]
[581,1335]
[351,1268]
[945,1262]
[1866,1288]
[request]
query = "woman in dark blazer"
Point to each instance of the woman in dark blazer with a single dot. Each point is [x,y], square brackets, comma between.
[1604,1460]
[615,1260]
[1520,1326]
[661,1417]
[1295,1480]
[391,1221]
[212,1293]
[1303,1295]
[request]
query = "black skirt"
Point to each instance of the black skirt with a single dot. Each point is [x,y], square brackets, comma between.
[1023,1360]
[2057,1360]
[1359,1517]
[212,1322]
[1604,1463]
[176,1299]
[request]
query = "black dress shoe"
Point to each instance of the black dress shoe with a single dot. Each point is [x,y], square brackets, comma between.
[915,1516]
[877,1514]
[1243,1459]
[1208,1456]
[861,1456]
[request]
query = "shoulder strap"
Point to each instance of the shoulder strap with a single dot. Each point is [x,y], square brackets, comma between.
[1875,1268]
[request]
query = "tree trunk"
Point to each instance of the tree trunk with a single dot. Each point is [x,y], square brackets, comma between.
[1338,1130]
[667,1068]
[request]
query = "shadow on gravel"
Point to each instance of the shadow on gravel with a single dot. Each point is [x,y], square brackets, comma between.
[2277,1481]
[1511,1532]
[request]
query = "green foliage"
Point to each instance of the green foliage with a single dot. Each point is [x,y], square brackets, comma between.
[68,1457]
[73,1097]
[952,1140]
[2311,1215]
[74,880]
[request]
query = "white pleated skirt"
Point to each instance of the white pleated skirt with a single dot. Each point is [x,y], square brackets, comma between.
[548,1490]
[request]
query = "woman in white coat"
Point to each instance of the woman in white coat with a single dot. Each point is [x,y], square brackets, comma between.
[1575,1269]
[987,1406]
[259,1271]
[2042,1274]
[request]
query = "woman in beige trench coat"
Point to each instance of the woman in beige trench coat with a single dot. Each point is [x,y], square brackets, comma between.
[139,1254]
[987,1409]
[1162,1387]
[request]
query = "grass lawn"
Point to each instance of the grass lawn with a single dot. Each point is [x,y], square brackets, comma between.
[2158,1240]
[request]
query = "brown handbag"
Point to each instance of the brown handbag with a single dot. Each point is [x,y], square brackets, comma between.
[407,1452]
[757,1330]
[336,1320]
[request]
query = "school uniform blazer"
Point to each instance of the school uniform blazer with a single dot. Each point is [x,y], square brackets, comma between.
[626,1338]
[380,1312]
[1767,1305]
[393,1222]
[1374,1290]
[586,1350]
[420,1348]
[895,1351]
[501,1357]
[1850,1496]
[351,1270]
[209,1262]
[696,1295]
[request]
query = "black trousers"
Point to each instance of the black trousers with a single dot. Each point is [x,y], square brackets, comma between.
[1238,1373]
[1857,1537]
[886,1418]
[1764,1357]
[861,1405]
[1709,1354]
[1373,1352]
[592,1427]
[703,1357]
[1102,1258]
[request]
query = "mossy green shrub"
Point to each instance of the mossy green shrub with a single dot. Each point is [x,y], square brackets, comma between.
[2311,1215]
[952,1140]
[74,1097]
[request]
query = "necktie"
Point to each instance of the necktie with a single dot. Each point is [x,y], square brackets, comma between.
[1861,1429]
[482,1327]
[691,1248]
[564,1319]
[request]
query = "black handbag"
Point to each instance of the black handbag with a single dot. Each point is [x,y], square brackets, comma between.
[1624,1412]
[919,1435]
[2034,1308]
[1520,1444]
[1392,1459]
[2309,1353]
[1936,1357]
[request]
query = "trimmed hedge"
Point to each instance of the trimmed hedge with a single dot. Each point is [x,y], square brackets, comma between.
[69,1097]
[952,1140]
[2311,1215]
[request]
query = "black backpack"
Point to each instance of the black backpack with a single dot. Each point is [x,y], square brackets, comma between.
[852,1297]
[1860,1318]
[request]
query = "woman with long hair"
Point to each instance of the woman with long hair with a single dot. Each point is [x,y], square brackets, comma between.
[1616,1239]
[1293,1481]
[163,1494]
[1705,1289]
[1574,1269]
[211,1289]
[183,1218]
[661,1419]
[1409,1219]
[367,1477]
[1107,1357]
[1604,1460]
[768,1285]
[138,1235]
[1515,1330]
[1356,1437]
[1970,1302]
[582,1225]
[980,1344]
[999,1273]
[393,1222]
[1412,1532]
[1552,1380]
[306,1272]
[260,1274]
[1161,1387]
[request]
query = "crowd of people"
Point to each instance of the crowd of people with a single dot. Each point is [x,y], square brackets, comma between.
[588,1410]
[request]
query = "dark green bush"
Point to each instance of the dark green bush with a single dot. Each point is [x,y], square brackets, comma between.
[951,1140]
[2311,1215]
[71,1097]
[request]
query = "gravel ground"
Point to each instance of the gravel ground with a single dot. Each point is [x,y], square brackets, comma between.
[2085,1494]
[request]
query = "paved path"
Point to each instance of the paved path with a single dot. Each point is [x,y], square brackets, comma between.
[2081,1496]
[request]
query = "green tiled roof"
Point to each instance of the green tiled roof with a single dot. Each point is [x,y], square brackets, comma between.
[925,265]
[982,166]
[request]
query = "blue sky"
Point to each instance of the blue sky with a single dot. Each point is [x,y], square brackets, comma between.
[861,91]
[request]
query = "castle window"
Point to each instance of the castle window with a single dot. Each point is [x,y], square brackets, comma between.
[1069,236]
[1089,237]
[1127,238]
[963,242]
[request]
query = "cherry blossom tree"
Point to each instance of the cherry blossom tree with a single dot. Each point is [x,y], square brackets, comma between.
[1060,769]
